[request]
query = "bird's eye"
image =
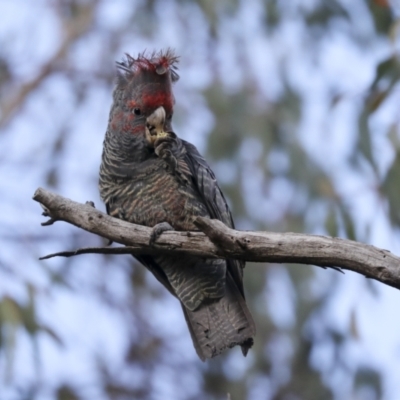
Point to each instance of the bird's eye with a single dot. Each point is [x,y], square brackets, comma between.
[137,111]
[169,117]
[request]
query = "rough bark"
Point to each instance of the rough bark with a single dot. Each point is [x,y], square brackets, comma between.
[218,241]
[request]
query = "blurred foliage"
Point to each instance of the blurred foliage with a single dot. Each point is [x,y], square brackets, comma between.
[272,180]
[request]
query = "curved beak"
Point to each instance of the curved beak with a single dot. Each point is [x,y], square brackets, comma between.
[155,125]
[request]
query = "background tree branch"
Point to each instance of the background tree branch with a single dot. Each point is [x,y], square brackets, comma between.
[74,27]
[219,241]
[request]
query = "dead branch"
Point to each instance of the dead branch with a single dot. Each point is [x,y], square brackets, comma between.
[219,241]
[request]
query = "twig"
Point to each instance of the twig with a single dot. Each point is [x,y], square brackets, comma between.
[93,250]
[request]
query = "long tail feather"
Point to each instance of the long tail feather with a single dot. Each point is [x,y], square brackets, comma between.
[221,324]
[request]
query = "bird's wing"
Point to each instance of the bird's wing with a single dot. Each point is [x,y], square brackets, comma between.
[212,196]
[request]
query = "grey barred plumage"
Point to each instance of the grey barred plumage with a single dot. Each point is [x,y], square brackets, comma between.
[149,176]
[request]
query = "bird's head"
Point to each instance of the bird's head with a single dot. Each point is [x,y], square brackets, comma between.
[143,99]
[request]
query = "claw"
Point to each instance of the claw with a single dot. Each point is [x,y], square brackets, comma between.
[158,230]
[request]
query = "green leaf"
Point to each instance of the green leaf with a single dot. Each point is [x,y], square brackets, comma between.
[10,311]
[364,138]
[368,377]
[390,189]
[382,15]
[65,392]
[348,222]
[331,224]
[324,12]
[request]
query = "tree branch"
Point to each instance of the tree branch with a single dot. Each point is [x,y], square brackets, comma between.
[219,241]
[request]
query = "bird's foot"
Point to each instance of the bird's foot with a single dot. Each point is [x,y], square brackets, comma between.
[158,230]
